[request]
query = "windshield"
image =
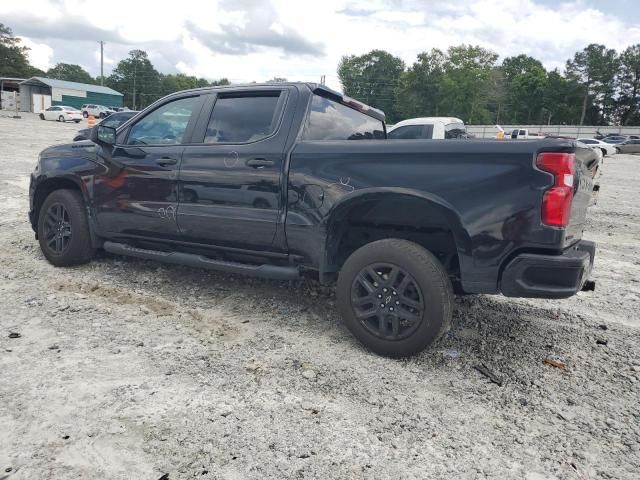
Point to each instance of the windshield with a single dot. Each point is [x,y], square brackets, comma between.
[455,130]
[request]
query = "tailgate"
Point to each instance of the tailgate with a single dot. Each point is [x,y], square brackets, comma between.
[582,191]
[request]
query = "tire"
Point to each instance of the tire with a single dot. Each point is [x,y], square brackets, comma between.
[77,121]
[42,116]
[604,152]
[61,119]
[85,114]
[427,281]
[73,232]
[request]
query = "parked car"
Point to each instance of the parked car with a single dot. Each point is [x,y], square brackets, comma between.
[98,111]
[113,120]
[399,224]
[630,146]
[525,134]
[61,113]
[615,139]
[606,148]
[428,127]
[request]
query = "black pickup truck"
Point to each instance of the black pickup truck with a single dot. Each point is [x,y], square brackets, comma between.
[295,179]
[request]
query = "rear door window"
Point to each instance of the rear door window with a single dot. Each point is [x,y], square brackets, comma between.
[329,120]
[245,118]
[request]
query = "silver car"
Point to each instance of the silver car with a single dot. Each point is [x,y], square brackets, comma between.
[629,146]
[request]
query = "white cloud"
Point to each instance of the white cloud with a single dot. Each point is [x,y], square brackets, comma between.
[247,40]
[40,54]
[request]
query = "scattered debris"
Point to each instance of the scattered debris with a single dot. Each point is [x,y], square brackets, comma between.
[602,326]
[309,374]
[225,410]
[451,353]
[601,341]
[14,335]
[555,363]
[65,437]
[54,347]
[164,477]
[489,374]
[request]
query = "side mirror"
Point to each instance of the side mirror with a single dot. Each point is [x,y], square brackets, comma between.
[103,134]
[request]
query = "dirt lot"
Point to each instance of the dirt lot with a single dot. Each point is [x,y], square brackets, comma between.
[132,369]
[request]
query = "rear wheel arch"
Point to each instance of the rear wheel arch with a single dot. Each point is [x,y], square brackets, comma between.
[427,221]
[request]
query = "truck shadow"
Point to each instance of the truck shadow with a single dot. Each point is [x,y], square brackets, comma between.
[487,330]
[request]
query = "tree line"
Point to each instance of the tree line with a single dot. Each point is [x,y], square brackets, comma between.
[598,87]
[135,76]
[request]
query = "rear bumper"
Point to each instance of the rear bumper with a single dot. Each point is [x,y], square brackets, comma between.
[549,276]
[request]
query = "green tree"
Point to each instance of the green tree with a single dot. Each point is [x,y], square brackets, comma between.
[628,83]
[594,68]
[464,89]
[220,82]
[372,78]
[562,98]
[137,79]
[70,72]
[525,83]
[176,82]
[13,56]
[418,91]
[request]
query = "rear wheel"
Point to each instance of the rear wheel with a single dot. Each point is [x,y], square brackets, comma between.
[85,114]
[395,297]
[61,118]
[63,229]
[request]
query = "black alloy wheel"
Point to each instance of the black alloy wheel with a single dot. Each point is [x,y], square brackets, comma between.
[57,229]
[395,297]
[387,301]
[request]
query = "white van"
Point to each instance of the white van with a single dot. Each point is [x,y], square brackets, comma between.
[428,127]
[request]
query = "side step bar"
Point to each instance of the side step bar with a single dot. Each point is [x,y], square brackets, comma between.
[274,272]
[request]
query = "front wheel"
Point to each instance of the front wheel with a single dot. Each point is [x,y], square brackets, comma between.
[77,121]
[604,152]
[85,114]
[42,116]
[61,119]
[395,297]
[63,229]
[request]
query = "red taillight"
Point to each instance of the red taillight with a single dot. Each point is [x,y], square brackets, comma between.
[556,202]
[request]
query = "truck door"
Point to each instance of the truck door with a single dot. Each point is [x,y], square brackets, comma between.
[231,175]
[138,194]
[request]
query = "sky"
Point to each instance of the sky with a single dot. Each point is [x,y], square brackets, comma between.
[251,40]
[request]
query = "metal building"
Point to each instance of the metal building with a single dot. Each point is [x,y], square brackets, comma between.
[39,93]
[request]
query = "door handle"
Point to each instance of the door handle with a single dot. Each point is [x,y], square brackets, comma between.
[259,163]
[166,161]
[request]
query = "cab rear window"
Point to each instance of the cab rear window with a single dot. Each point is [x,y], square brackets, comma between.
[329,120]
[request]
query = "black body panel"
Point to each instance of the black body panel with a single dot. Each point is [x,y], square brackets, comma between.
[289,201]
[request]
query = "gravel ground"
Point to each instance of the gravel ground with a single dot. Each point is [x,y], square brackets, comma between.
[132,369]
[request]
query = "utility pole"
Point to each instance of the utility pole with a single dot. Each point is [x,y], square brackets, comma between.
[101,62]
[135,65]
